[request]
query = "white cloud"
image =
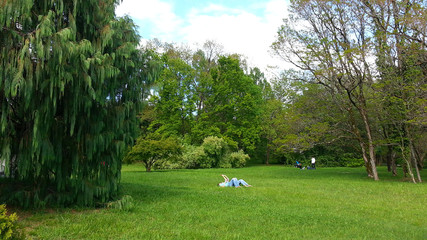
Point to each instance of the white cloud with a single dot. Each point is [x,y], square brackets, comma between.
[165,23]
[239,31]
[215,8]
[245,31]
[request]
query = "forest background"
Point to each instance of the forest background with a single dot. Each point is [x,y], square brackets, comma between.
[357,97]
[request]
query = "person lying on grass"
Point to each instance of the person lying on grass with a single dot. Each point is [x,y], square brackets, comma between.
[233,183]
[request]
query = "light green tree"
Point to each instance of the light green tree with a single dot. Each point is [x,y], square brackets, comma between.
[153,148]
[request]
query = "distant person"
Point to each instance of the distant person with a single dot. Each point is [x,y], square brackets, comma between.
[298,165]
[233,182]
[313,162]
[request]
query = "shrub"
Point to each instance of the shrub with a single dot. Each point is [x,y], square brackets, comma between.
[238,159]
[193,157]
[328,161]
[354,162]
[215,149]
[214,152]
[8,226]
[167,164]
[225,162]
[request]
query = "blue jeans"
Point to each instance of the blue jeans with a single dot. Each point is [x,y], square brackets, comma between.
[235,183]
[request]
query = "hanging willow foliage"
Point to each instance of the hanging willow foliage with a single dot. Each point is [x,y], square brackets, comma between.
[69,96]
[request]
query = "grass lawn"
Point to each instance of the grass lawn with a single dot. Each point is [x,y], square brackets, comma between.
[284,203]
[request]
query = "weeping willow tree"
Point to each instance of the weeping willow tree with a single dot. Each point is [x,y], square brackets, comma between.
[69,94]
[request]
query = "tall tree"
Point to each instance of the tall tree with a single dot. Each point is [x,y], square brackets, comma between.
[401,52]
[330,40]
[176,101]
[69,96]
[234,105]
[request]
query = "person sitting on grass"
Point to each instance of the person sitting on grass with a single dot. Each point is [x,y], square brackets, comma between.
[233,183]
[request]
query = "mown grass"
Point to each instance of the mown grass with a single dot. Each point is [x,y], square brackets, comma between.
[284,203]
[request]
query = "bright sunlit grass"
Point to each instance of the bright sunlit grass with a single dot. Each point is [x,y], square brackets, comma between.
[284,203]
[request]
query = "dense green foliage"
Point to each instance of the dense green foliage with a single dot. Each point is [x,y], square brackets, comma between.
[168,153]
[151,149]
[198,98]
[69,95]
[284,203]
[207,101]
[234,106]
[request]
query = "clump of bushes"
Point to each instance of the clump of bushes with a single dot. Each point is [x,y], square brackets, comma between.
[215,149]
[214,152]
[8,225]
[350,160]
[193,157]
[238,159]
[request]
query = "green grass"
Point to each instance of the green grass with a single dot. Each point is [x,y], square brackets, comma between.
[285,203]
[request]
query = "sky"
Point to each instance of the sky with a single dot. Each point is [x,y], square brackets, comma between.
[246,27]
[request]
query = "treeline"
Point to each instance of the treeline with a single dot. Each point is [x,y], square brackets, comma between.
[356,98]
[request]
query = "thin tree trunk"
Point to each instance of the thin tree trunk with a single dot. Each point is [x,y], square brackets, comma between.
[148,165]
[414,158]
[356,132]
[365,158]
[388,157]
[408,164]
[391,160]
[393,164]
[405,155]
[370,144]
[418,172]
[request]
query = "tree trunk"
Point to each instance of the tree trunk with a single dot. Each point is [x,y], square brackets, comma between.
[370,144]
[356,132]
[365,158]
[388,157]
[418,172]
[148,164]
[408,165]
[393,164]
[391,160]
[406,158]
[414,158]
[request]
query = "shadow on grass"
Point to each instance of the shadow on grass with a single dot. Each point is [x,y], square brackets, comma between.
[151,193]
[344,173]
[321,173]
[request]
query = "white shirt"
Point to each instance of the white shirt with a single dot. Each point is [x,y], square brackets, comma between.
[313,160]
